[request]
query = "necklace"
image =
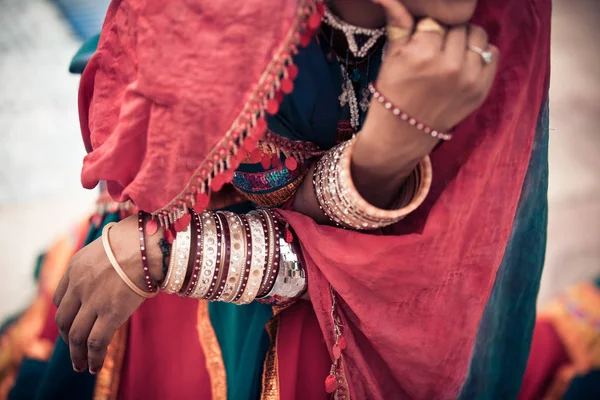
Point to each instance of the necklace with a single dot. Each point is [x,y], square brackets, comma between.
[348,96]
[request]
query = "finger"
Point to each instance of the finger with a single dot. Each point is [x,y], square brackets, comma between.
[478,38]
[61,289]
[68,309]
[489,73]
[455,46]
[78,338]
[398,17]
[100,337]
[430,35]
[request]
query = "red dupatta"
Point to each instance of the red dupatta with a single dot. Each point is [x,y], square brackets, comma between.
[177,89]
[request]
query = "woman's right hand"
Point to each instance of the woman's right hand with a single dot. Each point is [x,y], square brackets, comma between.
[436,79]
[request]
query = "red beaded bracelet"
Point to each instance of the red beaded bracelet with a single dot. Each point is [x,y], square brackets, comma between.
[405,117]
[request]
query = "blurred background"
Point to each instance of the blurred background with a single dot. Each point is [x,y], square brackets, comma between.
[41,150]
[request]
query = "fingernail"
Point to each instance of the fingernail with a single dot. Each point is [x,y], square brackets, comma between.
[93,371]
[76,369]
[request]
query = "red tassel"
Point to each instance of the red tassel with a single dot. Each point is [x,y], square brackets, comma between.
[321,9]
[342,342]
[228,175]
[151,227]
[256,156]
[169,236]
[260,127]
[337,352]
[289,238]
[266,162]
[217,183]
[291,163]
[314,21]
[287,86]
[292,71]
[306,38]
[272,106]
[185,220]
[330,384]
[279,96]
[202,200]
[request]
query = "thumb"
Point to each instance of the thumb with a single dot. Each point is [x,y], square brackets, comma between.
[397,16]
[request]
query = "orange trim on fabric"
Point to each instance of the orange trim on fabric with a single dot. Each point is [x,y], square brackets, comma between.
[212,352]
[109,378]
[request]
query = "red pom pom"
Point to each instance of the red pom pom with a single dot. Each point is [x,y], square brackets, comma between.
[272,106]
[291,163]
[202,200]
[306,38]
[279,96]
[289,238]
[217,183]
[321,8]
[314,21]
[266,162]
[342,342]
[256,156]
[292,71]
[250,143]
[186,219]
[228,175]
[151,227]
[337,352]
[169,236]
[287,86]
[330,384]
[260,127]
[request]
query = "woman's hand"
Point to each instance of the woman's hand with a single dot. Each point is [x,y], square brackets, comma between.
[93,301]
[433,77]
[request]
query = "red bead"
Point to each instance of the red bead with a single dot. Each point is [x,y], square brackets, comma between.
[342,342]
[202,200]
[279,96]
[256,156]
[287,86]
[314,21]
[266,162]
[289,238]
[291,163]
[151,227]
[272,106]
[330,384]
[337,352]
[292,71]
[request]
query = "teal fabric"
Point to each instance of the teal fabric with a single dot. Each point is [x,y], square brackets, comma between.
[56,378]
[83,55]
[505,332]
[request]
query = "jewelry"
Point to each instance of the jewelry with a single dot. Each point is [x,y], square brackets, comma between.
[147,278]
[430,25]
[291,283]
[259,259]
[348,96]
[339,199]
[117,267]
[209,267]
[222,258]
[237,258]
[351,30]
[405,117]
[195,273]
[179,262]
[272,242]
[486,56]
[395,33]
[247,259]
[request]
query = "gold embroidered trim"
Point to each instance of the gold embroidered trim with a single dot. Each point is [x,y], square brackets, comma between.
[212,353]
[109,378]
[270,384]
[276,198]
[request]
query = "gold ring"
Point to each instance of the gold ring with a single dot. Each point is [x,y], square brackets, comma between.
[430,25]
[396,33]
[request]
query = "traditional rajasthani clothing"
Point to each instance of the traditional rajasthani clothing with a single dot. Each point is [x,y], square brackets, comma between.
[438,306]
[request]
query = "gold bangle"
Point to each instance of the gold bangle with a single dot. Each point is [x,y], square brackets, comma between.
[117,267]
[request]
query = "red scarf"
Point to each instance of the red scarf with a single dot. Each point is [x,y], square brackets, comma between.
[171,95]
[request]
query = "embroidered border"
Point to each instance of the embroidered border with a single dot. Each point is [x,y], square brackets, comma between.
[212,352]
[109,378]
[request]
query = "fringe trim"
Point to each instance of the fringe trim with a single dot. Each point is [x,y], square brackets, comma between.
[218,167]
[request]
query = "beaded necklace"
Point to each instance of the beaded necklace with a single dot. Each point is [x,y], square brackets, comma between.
[360,42]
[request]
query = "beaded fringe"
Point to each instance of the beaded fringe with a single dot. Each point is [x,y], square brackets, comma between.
[218,167]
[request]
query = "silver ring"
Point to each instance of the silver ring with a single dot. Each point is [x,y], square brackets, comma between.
[486,55]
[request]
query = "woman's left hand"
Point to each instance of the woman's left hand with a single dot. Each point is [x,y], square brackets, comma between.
[93,301]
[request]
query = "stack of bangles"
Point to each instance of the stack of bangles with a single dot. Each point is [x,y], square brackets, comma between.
[339,199]
[222,256]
